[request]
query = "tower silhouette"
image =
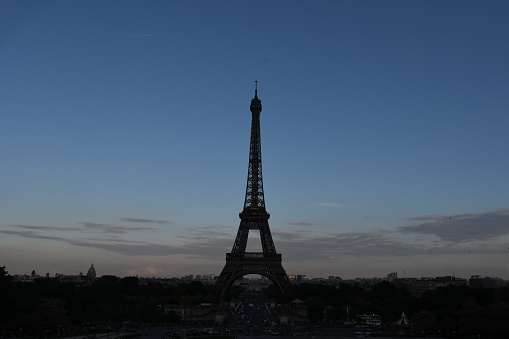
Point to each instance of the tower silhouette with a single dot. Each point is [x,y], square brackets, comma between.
[254,216]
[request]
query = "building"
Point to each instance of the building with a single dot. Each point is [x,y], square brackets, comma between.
[476,281]
[417,287]
[392,276]
[91,274]
[299,278]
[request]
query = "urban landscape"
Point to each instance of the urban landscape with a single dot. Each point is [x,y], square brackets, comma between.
[68,306]
[386,126]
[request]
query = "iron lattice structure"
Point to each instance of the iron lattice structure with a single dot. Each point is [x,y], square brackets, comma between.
[253,217]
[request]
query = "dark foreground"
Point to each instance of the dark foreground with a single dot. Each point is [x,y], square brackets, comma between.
[325,332]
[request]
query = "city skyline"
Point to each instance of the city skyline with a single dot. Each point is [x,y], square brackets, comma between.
[294,278]
[126,135]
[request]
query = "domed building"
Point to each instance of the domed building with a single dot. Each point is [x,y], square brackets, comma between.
[91,274]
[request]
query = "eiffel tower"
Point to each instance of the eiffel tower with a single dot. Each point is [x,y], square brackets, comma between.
[253,217]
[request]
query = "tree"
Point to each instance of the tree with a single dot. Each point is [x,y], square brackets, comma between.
[335,313]
[107,288]
[49,315]
[7,299]
[399,302]
[498,324]
[472,319]
[96,311]
[424,323]
[315,308]
[4,275]
[151,313]
[130,285]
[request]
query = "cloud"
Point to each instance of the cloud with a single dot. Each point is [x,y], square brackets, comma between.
[107,228]
[462,227]
[460,234]
[372,244]
[427,217]
[130,248]
[289,236]
[87,227]
[46,228]
[296,246]
[205,248]
[31,234]
[117,245]
[208,233]
[346,244]
[211,244]
[144,220]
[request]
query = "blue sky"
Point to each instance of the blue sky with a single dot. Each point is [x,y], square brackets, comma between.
[125,135]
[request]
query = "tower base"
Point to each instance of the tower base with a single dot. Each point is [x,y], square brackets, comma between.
[240,264]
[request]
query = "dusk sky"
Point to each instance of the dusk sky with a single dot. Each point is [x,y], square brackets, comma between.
[125,135]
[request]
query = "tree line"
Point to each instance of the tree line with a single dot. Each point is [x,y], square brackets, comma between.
[49,304]
[458,310]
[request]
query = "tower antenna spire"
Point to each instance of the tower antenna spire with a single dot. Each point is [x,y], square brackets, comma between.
[256,88]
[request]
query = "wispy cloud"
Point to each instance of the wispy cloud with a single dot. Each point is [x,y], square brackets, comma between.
[357,244]
[46,228]
[31,234]
[208,233]
[305,247]
[206,242]
[116,245]
[462,227]
[128,247]
[108,228]
[457,234]
[144,220]
[296,246]
[87,227]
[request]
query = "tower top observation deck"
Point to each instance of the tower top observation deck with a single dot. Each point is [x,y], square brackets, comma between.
[256,104]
